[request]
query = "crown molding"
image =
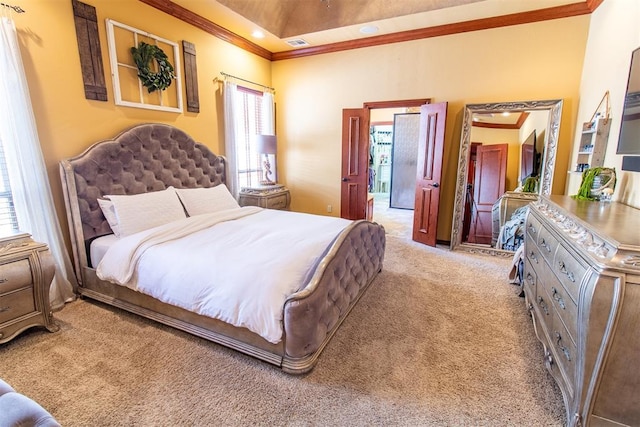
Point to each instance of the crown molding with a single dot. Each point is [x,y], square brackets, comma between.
[183,14]
[566,11]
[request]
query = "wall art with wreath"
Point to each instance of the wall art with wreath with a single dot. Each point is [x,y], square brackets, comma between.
[145,69]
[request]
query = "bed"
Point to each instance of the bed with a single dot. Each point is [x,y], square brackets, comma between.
[150,159]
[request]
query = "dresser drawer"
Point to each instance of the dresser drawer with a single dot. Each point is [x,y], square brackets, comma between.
[530,280]
[15,275]
[16,304]
[570,271]
[565,349]
[533,227]
[547,244]
[545,307]
[532,252]
[565,307]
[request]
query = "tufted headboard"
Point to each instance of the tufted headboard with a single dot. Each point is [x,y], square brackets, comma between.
[147,157]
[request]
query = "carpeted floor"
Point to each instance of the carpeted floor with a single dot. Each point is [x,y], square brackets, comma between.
[439,339]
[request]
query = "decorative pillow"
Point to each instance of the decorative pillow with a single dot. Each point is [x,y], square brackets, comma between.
[110,214]
[198,201]
[140,212]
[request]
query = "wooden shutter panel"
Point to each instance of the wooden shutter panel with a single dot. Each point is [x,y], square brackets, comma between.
[86,21]
[191,76]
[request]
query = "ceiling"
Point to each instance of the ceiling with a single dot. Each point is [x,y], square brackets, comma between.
[323,22]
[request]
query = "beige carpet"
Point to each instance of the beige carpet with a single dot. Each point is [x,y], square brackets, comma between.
[440,339]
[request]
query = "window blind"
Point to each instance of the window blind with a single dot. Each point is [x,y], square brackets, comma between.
[8,219]
[249,162]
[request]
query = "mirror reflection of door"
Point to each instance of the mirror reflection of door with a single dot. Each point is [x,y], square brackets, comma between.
[486,188]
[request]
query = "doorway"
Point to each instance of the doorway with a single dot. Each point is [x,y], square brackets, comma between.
[356,134]
[393,145]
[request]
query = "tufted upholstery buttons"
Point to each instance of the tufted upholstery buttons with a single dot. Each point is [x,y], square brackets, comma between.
[309,322]
[145,158]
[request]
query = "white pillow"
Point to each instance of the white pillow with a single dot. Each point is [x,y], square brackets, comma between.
[110,214]
[198,201]
[140,212]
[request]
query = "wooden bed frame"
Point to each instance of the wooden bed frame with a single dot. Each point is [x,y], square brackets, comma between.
[151,157]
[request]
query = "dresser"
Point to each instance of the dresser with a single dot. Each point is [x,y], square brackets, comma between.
[275,196]
[26,271]
[582,287]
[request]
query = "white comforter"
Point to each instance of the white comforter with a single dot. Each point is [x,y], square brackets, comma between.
[237,265]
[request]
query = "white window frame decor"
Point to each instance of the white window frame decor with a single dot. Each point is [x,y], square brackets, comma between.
[113,58]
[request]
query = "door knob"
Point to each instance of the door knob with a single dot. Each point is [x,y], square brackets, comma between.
[435,185]
[345,179]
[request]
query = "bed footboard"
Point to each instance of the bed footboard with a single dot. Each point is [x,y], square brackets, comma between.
[313,314]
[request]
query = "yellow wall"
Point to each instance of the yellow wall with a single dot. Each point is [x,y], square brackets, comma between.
[525,62]
[68,123]
[613,35]
[534,61]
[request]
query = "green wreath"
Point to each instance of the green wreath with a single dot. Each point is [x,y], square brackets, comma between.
[142,56]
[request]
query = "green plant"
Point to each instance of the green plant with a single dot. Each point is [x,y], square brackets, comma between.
[143,55]
[530,184]
[588,178]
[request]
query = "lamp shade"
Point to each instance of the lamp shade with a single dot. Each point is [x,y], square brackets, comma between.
[266,144]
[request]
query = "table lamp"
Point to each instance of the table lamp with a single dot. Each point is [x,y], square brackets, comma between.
[266,144]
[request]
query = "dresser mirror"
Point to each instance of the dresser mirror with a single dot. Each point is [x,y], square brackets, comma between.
[505,148]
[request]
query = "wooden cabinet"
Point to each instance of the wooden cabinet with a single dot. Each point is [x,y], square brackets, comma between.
[593,144]
[26,271]
[270,197]
[582,286]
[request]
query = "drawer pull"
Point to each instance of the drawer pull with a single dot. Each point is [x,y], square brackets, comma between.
[563,269]
[533,256]
[530,278]
[4,280]
[564,349]
[545,245]
[3,309]
[532,229]
[556,296]
[543,305]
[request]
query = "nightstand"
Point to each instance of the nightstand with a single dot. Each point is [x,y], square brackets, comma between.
[26,271]
[275,196]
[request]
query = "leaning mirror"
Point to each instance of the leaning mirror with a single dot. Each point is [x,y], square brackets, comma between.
[507,157]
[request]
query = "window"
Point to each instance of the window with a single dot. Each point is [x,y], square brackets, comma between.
[8,219]
[253,123]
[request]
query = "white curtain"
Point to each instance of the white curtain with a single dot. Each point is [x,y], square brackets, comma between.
[232,129]
[268,114]
[25,164]
[240,127]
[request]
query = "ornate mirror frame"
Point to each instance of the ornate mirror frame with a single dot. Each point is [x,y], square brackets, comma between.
[546,174]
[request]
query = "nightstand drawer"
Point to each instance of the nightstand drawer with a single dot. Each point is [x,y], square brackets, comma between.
[16,304]
[281,201]
[15,275]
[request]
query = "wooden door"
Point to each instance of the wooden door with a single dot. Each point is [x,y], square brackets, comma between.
[488,186]
[429,171]
[355,163]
